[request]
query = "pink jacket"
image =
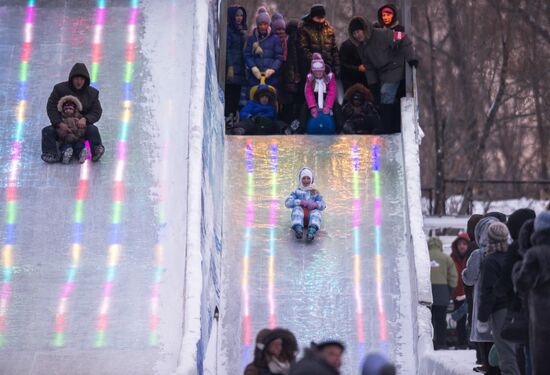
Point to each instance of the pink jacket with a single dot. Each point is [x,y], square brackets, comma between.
[310,93]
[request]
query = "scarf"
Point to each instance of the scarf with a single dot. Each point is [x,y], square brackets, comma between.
[278,367]
[320,89]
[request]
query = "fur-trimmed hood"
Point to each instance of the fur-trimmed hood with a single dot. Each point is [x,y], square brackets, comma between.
[359,88]
[366,27]
[395,20]
[68,98]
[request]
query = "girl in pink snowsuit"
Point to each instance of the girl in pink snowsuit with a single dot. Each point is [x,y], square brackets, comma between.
[320,89]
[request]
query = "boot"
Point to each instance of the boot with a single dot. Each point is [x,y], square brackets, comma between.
[298,231]
[67,155]
[311,230]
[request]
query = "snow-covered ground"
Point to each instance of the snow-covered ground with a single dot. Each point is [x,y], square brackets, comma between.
[480,207]
[450,362]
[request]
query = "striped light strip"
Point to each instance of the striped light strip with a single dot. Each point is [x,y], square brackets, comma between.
[356,228]
[159,250]
[274,153]
[246,323]
[10,220]
[113,257]
[378,240]
[81,196]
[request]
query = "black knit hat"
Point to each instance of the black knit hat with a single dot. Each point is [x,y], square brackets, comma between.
[325,344]
[317,10]
[517,219]
[356,24]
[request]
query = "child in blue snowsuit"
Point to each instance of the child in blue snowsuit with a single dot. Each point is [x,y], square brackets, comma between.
[305,197]
[259,116]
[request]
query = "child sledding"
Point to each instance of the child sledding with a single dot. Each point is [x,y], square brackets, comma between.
[306,204]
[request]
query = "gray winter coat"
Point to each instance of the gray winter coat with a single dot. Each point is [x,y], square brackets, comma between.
[472,276]
[384,55]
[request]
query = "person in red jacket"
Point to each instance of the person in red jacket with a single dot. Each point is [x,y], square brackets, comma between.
[460,254]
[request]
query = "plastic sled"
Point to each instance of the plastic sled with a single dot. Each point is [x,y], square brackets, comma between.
[322,125]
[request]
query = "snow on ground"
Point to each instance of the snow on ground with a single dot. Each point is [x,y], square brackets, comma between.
[480,207]
[450,362]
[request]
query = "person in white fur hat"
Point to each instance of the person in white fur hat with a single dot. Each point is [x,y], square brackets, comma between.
[305,201]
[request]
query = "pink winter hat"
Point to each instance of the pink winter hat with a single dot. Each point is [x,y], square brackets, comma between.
[317,63]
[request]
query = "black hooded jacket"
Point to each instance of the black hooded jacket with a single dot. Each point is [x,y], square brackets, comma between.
[88,96]
[351,60]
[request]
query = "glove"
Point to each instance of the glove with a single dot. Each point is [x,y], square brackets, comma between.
[362,68]
[326,111]
[314,112]
[482,327]
[413,63]
[312,205]
[230,73]
[269,73]
[256,72]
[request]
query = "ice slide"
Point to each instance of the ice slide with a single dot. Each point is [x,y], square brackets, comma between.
[121,266]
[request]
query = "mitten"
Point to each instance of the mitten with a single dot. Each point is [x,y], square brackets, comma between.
[482,327]
[230,73]
[269,72]
[314,112]
[256,72]
[326,111]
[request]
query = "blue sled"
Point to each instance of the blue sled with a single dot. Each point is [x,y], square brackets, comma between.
[322,125]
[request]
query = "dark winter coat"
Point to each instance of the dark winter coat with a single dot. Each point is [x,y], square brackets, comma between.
[385,53]
[255,109]
[75,132]
[473,276]
[269,55]
[442,273]
[318,37]
[460,263]
[88,96]
[362,118]
[490,301]
[395,25]
[291,78]
[505,287]
[350,60]
[236,37]
[312,363]
[533,278]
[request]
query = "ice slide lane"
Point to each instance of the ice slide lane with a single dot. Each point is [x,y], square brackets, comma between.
[82,246]
[352,283]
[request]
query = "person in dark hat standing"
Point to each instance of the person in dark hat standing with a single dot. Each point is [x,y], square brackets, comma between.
[78,85]
[493,307]
[353,70]
[317,35]
[331,351]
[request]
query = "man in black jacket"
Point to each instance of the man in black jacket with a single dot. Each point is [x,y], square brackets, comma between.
[77,85]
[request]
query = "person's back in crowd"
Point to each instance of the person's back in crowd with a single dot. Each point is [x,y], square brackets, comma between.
[388,17]
[317,36]
[443,279]
[235,70]
[532,278]
[460,254]
[492,308]
[353,70]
